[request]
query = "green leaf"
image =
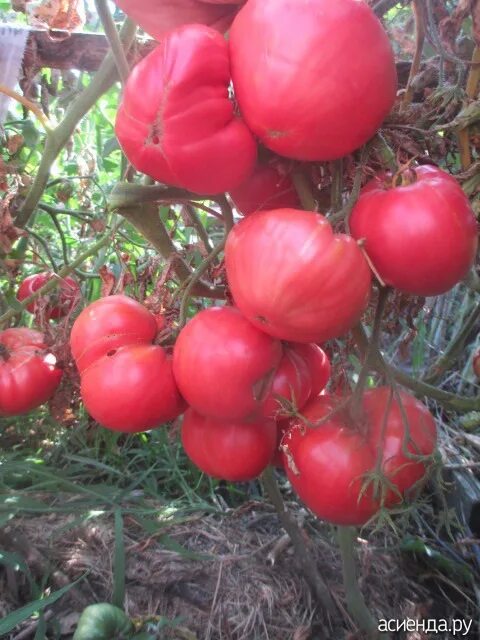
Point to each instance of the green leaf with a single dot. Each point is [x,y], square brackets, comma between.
[103,621]
[20,615]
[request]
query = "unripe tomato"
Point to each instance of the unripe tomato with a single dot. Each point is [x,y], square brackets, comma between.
[57,303]
[291,386]
[223,365]
[293,278]
[318,364]
[328,465]
[265,189]
[109,323]
[176,122]
[234,451]
[313,78]
[158,19]
[28,372]
[132,389]
[421,237]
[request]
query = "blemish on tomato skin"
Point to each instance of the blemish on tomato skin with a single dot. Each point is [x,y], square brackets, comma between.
[261,319]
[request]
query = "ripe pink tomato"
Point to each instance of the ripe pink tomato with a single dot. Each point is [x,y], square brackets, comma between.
[314,79]
[109,323]
[158,19]
[422,237]
[328,465]
[265,189]
[132,389]
[318,364]
[176,122]
[57,303]
[223,365]
[234,451]
[292,382]
[28,373]
[293,278]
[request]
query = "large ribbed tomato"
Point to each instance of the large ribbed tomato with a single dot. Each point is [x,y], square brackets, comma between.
[421,236]
[266,188]
[132,389]
[223,365]
[107,324]
[313,78]
[293,278]
[234,451]
[57,303]
[157,18]
[176,122]
[28,375]
[328,465]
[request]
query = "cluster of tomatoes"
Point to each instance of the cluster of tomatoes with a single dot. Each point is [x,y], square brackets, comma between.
[313,80]
[29,373]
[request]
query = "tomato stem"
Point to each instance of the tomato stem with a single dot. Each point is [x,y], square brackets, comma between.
[354,597]
[419,15]
[304,191]
[307,563]
[356,406]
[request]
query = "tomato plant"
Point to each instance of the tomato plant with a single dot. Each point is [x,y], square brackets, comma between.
[132,389]
[327,92]
[293,278]
[109,323]
[28,372]
[331,466]
[55,305]
[205,148]
[265,189]
[223,365]
[234,451]
[422,235]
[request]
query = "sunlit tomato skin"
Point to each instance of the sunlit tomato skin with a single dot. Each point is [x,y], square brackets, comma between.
[176,122]
[109,323]
[158,19]
[328,465]
[132,389]
[314,79]
[28,374]
[265,189]
[422,238]
[318,365]
[57,303]
[291,386]
[234,451]
[223,365]
[293,278]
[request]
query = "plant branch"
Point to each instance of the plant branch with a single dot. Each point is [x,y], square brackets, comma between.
[58,137]
[227,213]
[304,190]
[113,39]
[201,269]
[337,185]
[355,601]
[198,226]
[419,42]
[445,398]
[35,109]
[307,563]
[126,194]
